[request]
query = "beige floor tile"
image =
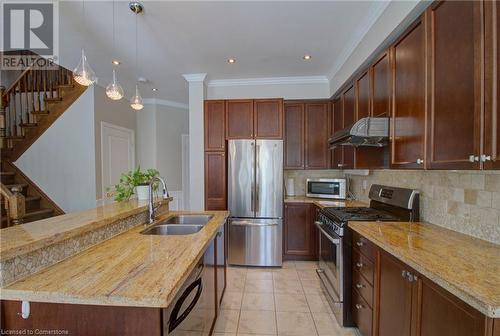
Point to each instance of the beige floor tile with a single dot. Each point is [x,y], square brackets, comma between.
[327,325]
[224,334]
[232,300]
[288,264]
[306,265]
[235,284]
[257,322]
[295,324]
[237,271]
[318,303]
[312,287]
[258,301]
[227,321]
[259,274]
[285,273]
[259,286]
[307,274]
[288,286]
[291,303]
[240,334]
[186,333]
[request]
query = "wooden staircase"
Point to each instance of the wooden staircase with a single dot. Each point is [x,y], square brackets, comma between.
[28,107]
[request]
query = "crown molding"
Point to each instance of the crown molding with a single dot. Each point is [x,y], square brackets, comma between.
[378,8]
[197,77]
[164,102]
[268,81]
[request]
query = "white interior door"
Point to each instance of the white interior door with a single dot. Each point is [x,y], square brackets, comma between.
[117,154]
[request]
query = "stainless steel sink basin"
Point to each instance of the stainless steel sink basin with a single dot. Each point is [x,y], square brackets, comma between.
[188,219]
[172,229]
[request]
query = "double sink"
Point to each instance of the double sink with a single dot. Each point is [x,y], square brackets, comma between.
[178,225]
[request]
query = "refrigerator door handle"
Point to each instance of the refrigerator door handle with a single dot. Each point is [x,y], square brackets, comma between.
[252,193]
[251,223]
[257,178]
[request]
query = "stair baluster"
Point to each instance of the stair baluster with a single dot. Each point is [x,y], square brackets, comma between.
[3,119]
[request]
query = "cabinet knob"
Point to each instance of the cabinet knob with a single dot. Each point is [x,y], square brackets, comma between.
[340,165]
[485,158]
[359,243]
[359,265]
[403,274]
[473,158]
[359,306]
[359,286]
[420,161]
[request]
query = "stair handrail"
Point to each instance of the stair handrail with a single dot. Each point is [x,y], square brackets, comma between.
[15,204]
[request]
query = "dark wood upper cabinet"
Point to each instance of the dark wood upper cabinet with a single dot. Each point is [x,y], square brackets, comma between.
[300,234]
[268,118]
[239,119]
[454,95]
[317,117]
[294,135]
[492,86]
[381,86]
[395,298]
[349,112]
[215,181]
[363,107]
[409,110]
[214,122]
[337,123]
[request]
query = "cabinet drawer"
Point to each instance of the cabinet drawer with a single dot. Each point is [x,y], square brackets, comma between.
[363,265]
[362,314]
[362,287]
[364,246]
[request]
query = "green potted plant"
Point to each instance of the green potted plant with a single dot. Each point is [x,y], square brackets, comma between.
[135,181]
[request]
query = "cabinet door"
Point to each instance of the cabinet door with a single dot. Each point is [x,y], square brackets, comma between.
[381,85]
[337,122]
[367,157]
[492,86]
[294,135]
[316,135]
[239,119]
[214,116]
[408,116]
[395,298]
[349,109]
[443,314]
[215,181]
[298,239]
[454,42]
[268,118]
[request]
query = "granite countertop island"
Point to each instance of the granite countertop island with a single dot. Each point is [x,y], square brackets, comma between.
[465,266]
[128,269]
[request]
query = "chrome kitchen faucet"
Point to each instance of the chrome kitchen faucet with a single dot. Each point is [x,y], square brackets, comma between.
[152,208]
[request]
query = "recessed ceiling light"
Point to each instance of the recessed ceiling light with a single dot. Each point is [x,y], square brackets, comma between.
[231,61]
[154,89]
[307,57]
[116,62]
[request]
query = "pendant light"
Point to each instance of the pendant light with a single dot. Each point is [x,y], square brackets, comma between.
[83,73]
[136,101]
[114,90]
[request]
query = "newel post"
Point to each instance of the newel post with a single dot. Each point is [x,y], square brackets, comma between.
[3,126]
[17,206]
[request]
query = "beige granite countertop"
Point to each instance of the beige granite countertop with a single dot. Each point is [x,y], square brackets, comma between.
[463,265]
[324,202]
[21,239]
[130,269]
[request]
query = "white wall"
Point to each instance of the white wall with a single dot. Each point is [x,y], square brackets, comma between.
[118,113]
[287,88]
[62,161]
[146,137]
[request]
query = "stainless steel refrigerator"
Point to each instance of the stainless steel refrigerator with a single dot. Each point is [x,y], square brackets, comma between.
[255,200]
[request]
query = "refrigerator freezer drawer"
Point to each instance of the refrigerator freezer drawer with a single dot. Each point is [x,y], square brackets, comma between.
[255,242]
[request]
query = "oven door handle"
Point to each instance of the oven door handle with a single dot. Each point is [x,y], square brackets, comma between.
[335,241]
[329,288]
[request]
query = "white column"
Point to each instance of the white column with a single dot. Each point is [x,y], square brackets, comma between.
[197,92]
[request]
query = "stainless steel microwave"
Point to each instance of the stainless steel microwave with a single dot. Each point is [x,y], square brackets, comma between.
[326,188]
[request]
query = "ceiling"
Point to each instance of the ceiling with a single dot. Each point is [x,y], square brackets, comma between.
[267,39]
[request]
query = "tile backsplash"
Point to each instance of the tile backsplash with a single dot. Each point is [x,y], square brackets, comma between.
[463,201]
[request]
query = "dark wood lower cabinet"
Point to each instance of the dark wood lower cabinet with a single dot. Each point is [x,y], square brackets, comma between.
[300,236]
[92,320]
[405,303]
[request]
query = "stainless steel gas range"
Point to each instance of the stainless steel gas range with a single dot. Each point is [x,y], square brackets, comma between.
[334,271]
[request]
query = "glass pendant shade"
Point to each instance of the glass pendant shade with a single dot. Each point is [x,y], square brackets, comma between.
[114,90]
[136,101]
[83,73]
